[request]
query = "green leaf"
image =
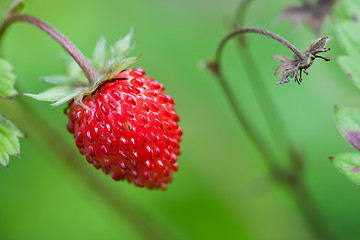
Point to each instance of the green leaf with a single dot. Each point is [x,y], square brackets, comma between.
[350,65]
[348,164]
[9,142]
[7,80]
[348,122]
[352,8]
[348,34]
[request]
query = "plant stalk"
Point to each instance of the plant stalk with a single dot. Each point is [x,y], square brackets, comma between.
[74,52]
[310,211]
[266,102]
[244,30]
[258,142]
[290,178]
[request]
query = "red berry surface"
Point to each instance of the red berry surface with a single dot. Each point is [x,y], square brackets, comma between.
[130,129]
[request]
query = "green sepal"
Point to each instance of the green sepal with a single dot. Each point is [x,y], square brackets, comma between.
[75,85]
[52,94]
[99,55]
[59,94]
[7,80]
[121,49]
[348,164]
[116,69]
[9,142]
[74,92]
[74,71]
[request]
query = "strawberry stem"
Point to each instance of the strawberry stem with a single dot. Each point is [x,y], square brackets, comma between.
[74,52]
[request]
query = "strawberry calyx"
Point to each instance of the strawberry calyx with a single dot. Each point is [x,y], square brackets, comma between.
[75,85]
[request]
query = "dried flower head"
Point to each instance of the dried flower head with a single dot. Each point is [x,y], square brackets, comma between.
[313,12]
[291,68]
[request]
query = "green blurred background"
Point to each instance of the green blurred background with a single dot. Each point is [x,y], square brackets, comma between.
[222,189]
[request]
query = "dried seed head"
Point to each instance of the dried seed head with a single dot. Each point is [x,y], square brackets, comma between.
[291,68]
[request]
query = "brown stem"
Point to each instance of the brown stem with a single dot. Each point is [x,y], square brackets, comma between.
[308,208]
[293,178]
[306,204]
[240,13]
[268,155]
[47,137]
[271,113]
[258,142]
[272,35]
[74,52]
[275,123]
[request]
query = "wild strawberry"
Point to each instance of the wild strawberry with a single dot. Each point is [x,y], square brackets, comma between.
[128,128]
[121,119]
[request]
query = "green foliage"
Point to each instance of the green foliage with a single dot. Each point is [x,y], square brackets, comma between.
[9,132]
[348,119]
[9,143]
[348,123]
[7,79]
[352,9]
[349,165]
[350,65]
[348,34]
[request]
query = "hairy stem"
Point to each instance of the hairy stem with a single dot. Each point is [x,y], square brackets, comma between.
[272,35]
[47,137]
[74,52]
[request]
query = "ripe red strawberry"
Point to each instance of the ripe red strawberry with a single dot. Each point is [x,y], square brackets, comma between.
[130,129]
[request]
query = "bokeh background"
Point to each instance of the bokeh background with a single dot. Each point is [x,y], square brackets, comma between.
[222,189]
